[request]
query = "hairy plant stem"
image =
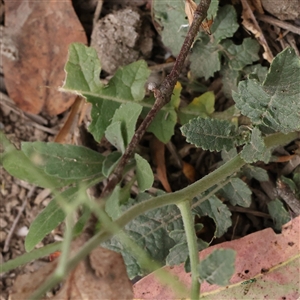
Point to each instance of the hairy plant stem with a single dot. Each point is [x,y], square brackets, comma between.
[189,228]
[162,96]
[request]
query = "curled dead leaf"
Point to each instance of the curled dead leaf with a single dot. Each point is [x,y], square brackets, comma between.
[158,156]
[39,32]
[250,24]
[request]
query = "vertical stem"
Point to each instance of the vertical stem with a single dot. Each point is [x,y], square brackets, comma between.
[188,221]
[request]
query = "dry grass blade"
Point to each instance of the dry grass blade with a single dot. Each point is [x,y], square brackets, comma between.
[250,24]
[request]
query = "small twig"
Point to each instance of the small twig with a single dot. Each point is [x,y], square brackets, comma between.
[162,95]
[71,120]
[97,12]
[246,210]
[14,224]
[234,227]
[279,23]
[290,38]
[287,195]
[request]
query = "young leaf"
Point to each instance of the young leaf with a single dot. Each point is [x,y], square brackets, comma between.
[278,213]
[258,70]
[241,55]
[216,210]
[237,192]
[210,134]
[275,103]
[144,173]
[48,219]
[82,221]
[127,114]
[218,267]
[110,162]
[202,106]
[64,161]
[113,134]
[256,149]
[83,70]
[164,122]
[113,203]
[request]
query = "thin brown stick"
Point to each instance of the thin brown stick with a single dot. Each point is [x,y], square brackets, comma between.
[279,23]
[162,95]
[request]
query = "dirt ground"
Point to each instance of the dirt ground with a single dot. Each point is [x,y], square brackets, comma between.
[21,202]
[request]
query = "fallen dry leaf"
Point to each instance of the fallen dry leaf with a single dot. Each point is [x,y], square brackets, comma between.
[256,4]
[38,34]
[26,284]
[158,156]
[256,254]
[250,24]
[102,275]
[189,171]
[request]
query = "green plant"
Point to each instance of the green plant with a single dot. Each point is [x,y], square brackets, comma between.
[162,222]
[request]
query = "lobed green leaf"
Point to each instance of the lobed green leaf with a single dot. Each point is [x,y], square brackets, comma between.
[219,212]
[256,149]
[278,213]
[237,192]
[83,70]
[274,103]
[218,267]
[210,134]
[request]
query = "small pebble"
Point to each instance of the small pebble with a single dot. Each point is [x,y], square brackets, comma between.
[23,231]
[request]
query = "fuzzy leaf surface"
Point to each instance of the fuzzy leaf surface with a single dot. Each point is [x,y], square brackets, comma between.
[180,252]
[225,24]
[237,192]
[257,173]
[230,79]
[219,212]
[274,103]
[83,70]
[151,232]
[205,58]
[256,149]
[210,134]
[217,267]
[241,55]
[278,213]
[64,161]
